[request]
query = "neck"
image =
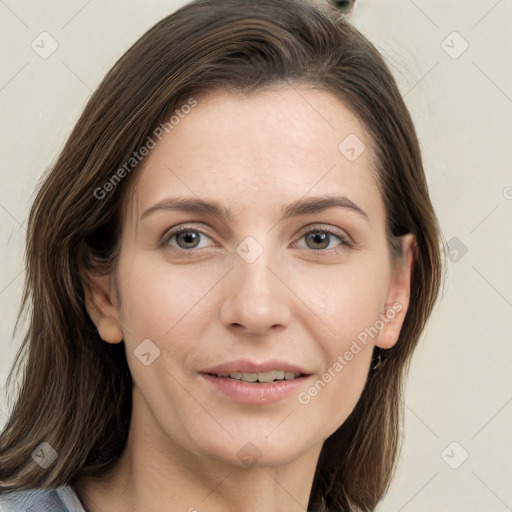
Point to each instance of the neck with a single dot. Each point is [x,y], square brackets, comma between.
[156,472]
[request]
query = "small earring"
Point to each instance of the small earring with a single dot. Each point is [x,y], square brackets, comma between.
[377,360]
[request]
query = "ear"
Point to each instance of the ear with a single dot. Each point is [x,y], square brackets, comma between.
[397,300]
[101,304]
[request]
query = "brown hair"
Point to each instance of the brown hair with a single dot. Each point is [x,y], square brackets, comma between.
[76,389]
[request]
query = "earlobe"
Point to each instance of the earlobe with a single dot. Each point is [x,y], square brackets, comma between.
[102,308]
[397,301]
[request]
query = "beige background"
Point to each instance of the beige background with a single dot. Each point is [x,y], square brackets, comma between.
[460,388]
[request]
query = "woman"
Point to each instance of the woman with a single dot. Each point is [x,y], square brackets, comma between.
[228,270]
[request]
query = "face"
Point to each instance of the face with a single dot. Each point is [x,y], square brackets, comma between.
[275,259]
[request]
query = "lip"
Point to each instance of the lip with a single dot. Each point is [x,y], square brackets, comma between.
[256,393]
[244,365]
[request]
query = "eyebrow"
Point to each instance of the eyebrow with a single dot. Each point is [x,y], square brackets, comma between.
[306,206]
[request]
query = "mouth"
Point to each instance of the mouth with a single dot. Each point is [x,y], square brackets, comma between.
[256,388]
[252,382]
[260,377]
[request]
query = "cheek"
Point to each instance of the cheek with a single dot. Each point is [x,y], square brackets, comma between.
[349,303]
[348,298]
[170,305]
[335,391]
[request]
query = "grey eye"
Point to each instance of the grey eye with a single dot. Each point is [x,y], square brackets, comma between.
[186,239]
[318,239]
[189,239]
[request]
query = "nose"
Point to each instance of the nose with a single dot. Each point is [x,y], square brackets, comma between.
[256,300]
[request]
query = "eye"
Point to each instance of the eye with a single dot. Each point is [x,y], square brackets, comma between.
[185,238]
[323,240]
[188,239]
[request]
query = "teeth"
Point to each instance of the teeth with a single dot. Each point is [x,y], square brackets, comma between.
[269,376]
[249,377]
[266,376]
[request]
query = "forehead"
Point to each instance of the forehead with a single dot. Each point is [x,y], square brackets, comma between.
[257,152]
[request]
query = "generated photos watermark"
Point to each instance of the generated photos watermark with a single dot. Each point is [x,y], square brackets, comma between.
[144,150]
[356,346]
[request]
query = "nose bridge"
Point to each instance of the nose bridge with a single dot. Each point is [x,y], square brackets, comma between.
[255,298]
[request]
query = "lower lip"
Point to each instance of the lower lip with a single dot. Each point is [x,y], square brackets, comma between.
[256,393]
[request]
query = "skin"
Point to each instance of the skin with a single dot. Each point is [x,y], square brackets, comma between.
[254,154]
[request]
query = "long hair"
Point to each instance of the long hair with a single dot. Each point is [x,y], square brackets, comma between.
[75,389]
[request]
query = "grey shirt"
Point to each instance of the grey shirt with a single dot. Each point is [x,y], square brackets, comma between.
[62,499]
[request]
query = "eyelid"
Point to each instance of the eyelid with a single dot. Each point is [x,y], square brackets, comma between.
[341,234]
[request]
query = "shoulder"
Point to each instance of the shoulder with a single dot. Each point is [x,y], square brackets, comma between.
[35,501]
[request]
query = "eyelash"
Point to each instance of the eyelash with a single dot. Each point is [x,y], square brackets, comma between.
[344,242]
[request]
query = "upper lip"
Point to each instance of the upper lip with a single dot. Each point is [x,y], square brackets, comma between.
[246,366]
